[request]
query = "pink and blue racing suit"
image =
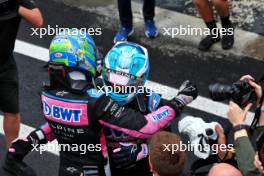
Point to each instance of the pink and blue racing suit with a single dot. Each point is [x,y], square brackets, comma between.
[80,119]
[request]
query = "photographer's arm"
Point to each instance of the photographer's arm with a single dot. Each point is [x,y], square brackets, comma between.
[245,154]
[30,13]
[244,150]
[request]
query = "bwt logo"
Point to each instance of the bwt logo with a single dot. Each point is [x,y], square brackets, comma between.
[65,114]
[161,115]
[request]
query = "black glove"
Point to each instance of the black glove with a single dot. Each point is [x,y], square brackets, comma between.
[105,107]
[187,93]
[14,159]
[128,154]
[19,149]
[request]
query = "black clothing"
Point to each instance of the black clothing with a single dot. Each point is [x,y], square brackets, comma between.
[125,11]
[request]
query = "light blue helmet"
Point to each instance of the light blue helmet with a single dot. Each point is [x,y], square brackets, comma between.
[125,65]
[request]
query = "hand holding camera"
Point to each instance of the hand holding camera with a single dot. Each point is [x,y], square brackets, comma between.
[236,115]
[241,92]
[257,88]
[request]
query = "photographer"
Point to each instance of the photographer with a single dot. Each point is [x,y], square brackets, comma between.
[11,12]
[245,154]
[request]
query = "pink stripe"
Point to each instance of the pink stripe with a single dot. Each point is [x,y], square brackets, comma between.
[48,132]
[155,122]
[158,119]
[103,144]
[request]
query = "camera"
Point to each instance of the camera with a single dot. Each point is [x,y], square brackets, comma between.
[240,92]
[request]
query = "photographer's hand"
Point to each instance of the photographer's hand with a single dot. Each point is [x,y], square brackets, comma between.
[236,115]
[259,93]
[258,164]
[257,88]
[247,77]
[221,140]
[223,152]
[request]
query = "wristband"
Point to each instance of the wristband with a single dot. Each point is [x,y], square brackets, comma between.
[240,127]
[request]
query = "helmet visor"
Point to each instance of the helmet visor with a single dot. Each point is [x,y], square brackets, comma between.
[121,78]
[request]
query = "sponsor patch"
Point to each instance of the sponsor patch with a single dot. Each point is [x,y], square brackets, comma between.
[70,113]
[160,116]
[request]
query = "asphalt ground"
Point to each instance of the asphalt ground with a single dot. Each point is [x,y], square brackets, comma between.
[165,69]
[246,14]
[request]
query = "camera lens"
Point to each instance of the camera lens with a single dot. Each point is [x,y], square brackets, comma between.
[220,92]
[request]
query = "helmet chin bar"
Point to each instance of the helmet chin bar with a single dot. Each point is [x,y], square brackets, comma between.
[57,75]
[60,79]
[78,85]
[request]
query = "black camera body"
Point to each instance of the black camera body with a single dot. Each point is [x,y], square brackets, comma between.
[240,92]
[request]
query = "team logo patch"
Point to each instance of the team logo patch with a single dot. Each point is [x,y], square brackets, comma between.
[160,116]
[70,113]
[65,114]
